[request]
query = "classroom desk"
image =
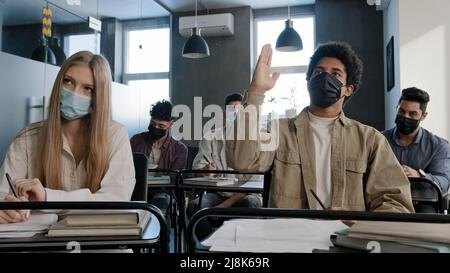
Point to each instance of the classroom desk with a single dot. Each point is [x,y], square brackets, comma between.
[154,235]
[194,246]
[179,189]
[245,187]
[236,187]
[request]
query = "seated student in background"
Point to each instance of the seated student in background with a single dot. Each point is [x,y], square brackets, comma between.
[162,150]
[212,156]
[78,153]
[349,165]
[421,153]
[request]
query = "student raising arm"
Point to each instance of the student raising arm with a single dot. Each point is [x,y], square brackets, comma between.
[78,153]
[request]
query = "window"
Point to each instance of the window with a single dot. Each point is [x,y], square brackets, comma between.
[290,92]
[148,94]
[147,59]
[79,42]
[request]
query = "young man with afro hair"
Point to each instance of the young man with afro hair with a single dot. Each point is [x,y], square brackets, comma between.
[350,166]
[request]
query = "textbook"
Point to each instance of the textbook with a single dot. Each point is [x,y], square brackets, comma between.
[105,217]
[357,244]
[63,229]
[158,180]
[401,232]
[210,181]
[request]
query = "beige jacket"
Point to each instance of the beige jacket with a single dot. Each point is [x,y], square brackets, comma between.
[365,172]
[22,161]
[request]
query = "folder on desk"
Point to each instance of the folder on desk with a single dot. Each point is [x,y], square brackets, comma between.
[158,180]
[101,224]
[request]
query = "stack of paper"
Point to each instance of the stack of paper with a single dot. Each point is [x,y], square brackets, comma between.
[273,235]
[36,223]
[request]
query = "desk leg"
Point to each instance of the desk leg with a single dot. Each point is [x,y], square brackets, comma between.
[182,219]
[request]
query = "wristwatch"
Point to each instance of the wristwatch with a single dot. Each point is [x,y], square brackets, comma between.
[422,173]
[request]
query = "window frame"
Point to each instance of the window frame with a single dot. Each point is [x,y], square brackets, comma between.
[65,38]
[146,24]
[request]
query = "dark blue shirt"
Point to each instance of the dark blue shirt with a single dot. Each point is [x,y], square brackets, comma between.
[427,152]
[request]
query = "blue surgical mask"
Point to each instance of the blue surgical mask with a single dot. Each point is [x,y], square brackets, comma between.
[74,105]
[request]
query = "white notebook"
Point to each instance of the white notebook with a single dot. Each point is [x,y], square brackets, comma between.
[36,223]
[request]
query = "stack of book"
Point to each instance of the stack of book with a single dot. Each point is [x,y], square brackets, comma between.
[210,181]
[392,237]
[101,223]
[158,179]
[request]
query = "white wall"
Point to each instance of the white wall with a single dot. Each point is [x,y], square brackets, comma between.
[424,61]
[2,2]
[391,28]
[22,81]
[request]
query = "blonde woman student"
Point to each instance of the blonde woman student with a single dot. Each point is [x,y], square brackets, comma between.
[78,153]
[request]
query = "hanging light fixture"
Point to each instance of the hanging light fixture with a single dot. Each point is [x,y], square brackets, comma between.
[289,40]
[195,47]
[43,53]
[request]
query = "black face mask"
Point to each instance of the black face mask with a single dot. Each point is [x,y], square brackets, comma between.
[324,90]
[156,133]
[406,126]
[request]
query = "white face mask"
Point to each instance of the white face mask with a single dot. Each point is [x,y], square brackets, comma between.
[73,105]
[230,118]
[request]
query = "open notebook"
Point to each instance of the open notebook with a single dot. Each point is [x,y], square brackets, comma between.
[36,223]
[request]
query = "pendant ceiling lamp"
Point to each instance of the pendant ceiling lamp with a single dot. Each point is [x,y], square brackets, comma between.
[289,40]
[195,47]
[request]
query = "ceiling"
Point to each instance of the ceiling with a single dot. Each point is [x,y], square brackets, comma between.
[14,10]
[189,5]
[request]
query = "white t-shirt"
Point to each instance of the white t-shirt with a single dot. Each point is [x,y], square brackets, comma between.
[322,130]
[155,154]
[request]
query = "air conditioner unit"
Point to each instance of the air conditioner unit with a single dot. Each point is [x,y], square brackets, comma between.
[210,25]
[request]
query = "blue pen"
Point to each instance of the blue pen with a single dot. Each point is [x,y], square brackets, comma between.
[12,186]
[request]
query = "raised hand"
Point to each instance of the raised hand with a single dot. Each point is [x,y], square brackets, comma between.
[262,79]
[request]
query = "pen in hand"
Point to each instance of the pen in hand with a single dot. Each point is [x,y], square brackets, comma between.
[318,200]
[12,186]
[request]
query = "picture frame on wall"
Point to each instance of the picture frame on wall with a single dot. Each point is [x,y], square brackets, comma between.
[390,66]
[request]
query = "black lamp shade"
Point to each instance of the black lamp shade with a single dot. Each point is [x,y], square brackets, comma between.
[44,54]
[57,50]
[195,47]
[289,40]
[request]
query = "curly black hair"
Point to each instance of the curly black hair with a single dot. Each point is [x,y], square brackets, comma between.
[162,110]
[233,97]
[344,53]
[417,95]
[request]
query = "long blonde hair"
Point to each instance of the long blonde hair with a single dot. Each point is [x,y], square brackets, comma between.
[98,148]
